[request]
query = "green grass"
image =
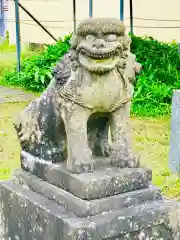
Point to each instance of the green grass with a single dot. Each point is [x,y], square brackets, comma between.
[150,139]
[5,46]
[7,61]
[7,56]
[9,145]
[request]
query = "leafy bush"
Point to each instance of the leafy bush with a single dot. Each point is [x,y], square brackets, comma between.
[36,70]
[153,88]
[159,76]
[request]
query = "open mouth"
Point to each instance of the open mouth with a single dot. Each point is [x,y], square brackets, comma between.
[100,57]
[104,56]
[99,61]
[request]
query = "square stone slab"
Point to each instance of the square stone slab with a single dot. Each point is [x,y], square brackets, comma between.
[101,183]
[105,181]
[84,208]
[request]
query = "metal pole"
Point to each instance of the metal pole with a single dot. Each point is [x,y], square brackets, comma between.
[122,10]
[18,45]
[90,8]
[24,9]
[131,16]
[5,17]
[2,19]
[74,14]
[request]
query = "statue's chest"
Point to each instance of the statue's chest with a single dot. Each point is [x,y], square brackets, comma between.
[104,93]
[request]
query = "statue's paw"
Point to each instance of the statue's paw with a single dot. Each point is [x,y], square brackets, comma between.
[124,159]
[105,149]
[84,163]
[81,166]
[134,161]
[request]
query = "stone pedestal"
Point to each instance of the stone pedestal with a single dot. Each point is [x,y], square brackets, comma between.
[109,203]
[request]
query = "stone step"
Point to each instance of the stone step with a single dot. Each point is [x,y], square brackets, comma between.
[103,182]
[29,215]
[84,208]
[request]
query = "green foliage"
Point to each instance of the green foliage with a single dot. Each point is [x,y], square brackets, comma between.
[36,71]
[159,76]
[153,88]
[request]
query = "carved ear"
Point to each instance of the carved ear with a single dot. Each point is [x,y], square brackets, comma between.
[127,41]
[74,41]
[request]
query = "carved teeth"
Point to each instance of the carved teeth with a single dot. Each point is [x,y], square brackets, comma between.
[100,56]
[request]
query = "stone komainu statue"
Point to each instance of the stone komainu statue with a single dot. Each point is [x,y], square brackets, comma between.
[90,93]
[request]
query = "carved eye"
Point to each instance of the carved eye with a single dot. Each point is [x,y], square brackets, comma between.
[90,38]
[111,37]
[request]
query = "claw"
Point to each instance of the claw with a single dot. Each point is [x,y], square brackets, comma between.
[85,163]
[124,159]
[77,169]
[105,149]
[81,168]
[134,163]
[88,168]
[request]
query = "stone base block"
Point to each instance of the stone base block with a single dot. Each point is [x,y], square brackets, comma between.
[105,181]
[26,215]
[81,207]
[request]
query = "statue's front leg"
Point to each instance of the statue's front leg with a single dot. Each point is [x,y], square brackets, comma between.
[122,155]
[79,155]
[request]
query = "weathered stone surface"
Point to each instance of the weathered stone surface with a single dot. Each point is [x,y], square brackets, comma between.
[83,208]
[105,181]
[174,154]
[90,93]
[27,215]
[160,232]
